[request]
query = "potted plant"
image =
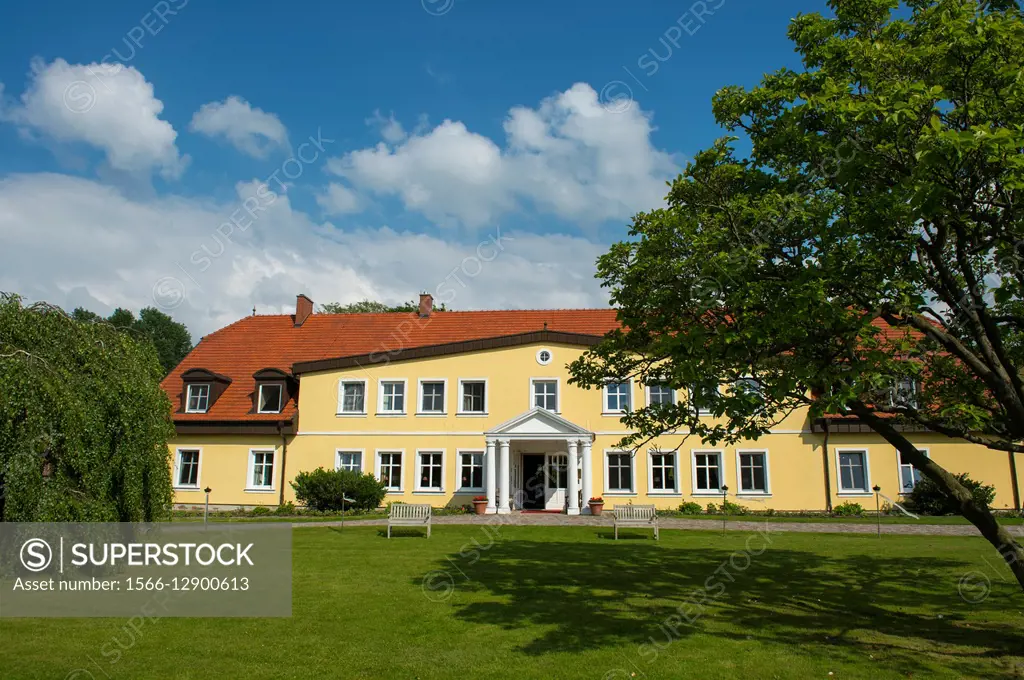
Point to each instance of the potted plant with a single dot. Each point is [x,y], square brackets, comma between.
[596,505]
[480,504]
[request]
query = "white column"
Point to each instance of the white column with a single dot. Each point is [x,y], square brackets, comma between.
[574,487]
[503,482]
[588,476]
[492,477]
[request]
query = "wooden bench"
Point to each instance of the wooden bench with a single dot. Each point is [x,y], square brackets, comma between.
[637,516]
[409,515]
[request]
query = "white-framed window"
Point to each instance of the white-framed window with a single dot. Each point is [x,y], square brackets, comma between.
[352,397]
[198,398]
[752,472]
[473,396]
[616,397]
[186,469]
[909,475]
[430,471]
[471,470]
[261,470]
[854,477]
[660,393]
[903,392]
[391,399]
[707,472]
[663,472]
[389,469]
[544,356]
[270,398]
[544,393]
[618,472]
[702,398]
[349,460]
[433,393]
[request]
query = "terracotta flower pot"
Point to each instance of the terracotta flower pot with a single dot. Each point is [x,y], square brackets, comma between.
[480,507]
[596,508]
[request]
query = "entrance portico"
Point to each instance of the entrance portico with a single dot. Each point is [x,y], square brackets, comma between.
[538,460]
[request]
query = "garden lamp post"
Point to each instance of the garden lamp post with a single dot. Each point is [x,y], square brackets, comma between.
[206,510]
[878,511]
[343,499]
[725,517]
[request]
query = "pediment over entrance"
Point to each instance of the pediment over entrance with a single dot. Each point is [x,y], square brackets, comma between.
[538,423]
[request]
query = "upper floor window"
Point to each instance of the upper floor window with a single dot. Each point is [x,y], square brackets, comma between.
[702,398]
[392,396]
[352,397]
[198,398]
[903,393]
[474,396]
[660,393]
[545,394]
[270,398]
[616,397]
[432,396]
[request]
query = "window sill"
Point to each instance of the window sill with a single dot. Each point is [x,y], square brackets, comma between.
[186,488]
[753,494]
[855,494]
[472,414]
[268,413]
[392,492]
[428,492]
[432,414]
[391,414]
[468,490]
[707,494]
[260,490]
[620,494]
[347,414]
[665,494]
[617,414]
[192,413]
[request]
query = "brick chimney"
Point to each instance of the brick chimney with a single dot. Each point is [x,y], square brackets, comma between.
[303,308]
[426,304]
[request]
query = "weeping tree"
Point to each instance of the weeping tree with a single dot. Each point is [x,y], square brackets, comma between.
[83,422]
[865,257]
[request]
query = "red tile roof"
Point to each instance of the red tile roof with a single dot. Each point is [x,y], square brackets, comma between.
[273,341]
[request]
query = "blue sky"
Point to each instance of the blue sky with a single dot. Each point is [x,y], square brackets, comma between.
[563,119]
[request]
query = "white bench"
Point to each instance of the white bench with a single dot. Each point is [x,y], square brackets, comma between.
[637,516]
[409,515]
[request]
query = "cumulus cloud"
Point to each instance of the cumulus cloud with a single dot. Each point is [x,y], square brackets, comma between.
[185,256]
[108,106]
[338,199]
[569,157]
[250,130]
[391,130]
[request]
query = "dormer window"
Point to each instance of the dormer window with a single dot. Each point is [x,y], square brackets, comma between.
[270,398]
[198,398]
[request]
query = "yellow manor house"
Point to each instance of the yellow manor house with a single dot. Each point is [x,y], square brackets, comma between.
[444,406]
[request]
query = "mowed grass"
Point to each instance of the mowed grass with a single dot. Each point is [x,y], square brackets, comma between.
[568,602]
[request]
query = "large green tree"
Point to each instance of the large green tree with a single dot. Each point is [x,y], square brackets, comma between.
[83,422]
[170,338]
[871,237]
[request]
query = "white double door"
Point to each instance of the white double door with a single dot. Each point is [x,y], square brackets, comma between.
[556,480]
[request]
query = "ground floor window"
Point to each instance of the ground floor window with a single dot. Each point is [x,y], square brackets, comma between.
[261,470]
[350,460]
[471,472]
[707,471]
[188,469]
[909,475]
[431,471]
[753,472]
[853,475]
[390,473]
[620,472]
[663,472]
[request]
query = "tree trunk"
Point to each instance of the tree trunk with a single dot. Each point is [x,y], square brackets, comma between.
[1005,543]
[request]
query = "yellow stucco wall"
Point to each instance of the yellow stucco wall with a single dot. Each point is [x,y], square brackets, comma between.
[795,455]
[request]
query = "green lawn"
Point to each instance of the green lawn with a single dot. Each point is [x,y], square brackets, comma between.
[557,602]
[885,519]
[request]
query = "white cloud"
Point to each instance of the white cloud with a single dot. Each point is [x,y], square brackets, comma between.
[391,131]
[250,130]
[108,106]
[338,199]
[569,157]
[74,241]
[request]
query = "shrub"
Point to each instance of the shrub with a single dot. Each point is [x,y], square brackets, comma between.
[929,499]
[712,509]
[730,508]
[848,509]
[323,490]
[260,511]
[286,508]
[690,508]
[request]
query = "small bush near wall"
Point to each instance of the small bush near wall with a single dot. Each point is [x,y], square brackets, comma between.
[928,499]
[260,510]
[324,490]
[848,509]
[726,508]
[690,508]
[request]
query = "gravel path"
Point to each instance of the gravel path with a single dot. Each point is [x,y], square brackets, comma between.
[540,519]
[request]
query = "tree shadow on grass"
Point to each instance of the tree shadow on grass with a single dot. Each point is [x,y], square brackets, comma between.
[590,595]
